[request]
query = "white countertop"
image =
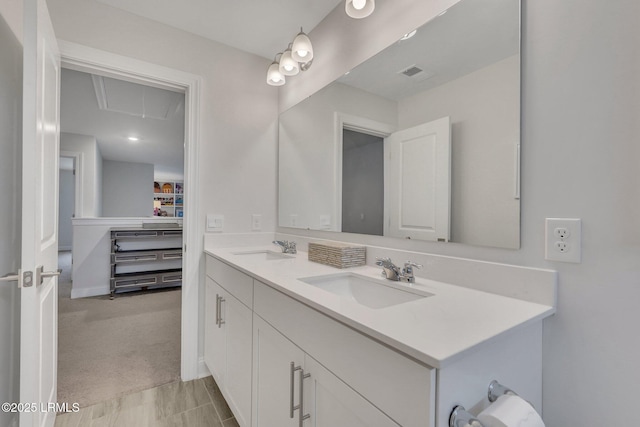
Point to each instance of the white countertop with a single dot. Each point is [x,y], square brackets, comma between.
[436,330]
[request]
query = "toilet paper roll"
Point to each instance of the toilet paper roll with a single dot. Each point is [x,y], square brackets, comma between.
[510,411]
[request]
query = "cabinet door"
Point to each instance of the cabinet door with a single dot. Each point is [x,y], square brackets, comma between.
[332,403]
[272,386]
[238,321]
[214,335]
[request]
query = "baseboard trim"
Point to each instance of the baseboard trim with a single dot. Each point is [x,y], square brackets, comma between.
[203,371]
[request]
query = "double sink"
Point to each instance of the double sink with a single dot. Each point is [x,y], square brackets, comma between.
[364,290]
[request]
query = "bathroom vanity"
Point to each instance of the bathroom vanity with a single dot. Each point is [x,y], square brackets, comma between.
[295,343]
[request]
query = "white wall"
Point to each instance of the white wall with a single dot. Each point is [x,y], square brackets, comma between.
[580,127]
[485,122]
[580,151]
[10,219]
[239,111]
[66,205]
[127,189]
[89,170]
[229,101]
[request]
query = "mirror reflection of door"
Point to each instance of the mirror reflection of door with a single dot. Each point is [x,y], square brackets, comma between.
[418,182]
[362,183]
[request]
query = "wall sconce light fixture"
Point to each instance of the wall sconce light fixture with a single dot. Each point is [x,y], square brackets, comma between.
[298,56]
[359,9]
[274,76]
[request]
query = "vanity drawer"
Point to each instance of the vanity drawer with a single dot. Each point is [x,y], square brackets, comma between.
[235,282]
[397,385]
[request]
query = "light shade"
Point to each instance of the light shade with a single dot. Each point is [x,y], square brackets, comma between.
[274,77]
[301,49]
[360,8]
[288,65]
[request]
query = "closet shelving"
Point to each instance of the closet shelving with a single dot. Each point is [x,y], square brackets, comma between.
[168,198]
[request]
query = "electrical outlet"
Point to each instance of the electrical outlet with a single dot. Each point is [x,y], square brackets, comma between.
[561,232]
[293,220]
[256,222]
[563,239]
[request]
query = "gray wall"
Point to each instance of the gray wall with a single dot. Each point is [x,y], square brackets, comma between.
[362,183]
[10,218]
[66,206]
[127,189]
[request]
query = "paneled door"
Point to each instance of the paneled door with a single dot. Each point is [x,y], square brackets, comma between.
[418,182]
[40,153]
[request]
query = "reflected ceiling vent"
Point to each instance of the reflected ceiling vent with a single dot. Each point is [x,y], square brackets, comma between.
[134,99]
[416,73]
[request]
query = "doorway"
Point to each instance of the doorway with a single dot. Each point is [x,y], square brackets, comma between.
[362,183]
[82,58]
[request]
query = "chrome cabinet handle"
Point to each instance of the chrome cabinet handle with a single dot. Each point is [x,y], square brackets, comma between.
[291,378]
[219,301]
[299,406]
[302,417]
[218,310]
[221,322]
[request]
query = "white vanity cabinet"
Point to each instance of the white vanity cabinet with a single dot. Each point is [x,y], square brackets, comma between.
[270,352]
[284,376]
[228,338]
[387,381]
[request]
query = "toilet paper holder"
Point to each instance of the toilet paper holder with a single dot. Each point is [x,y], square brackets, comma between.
[461,418]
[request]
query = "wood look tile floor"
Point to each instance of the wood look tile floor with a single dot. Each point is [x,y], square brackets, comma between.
[196,403]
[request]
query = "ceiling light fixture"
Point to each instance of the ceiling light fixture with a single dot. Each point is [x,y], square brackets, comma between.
[298,56]
[274,76]
[302,51]
[288,66]
[359,9]
[133,139]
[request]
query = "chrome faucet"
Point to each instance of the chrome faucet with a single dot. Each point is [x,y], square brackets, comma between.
[286,246]
[390,271]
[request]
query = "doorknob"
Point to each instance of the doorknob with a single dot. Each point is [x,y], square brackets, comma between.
[41,274]
[10,277]
[24,278]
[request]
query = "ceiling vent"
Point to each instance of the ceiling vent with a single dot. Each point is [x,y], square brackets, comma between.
[416,73]
[411,71]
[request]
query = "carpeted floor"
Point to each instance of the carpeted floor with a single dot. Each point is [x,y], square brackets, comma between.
[108,348]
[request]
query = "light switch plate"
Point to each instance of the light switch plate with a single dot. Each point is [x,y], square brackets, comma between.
[215,222]
[256,222]
[563,239]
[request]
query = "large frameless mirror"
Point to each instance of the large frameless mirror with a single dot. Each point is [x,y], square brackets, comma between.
[421,141]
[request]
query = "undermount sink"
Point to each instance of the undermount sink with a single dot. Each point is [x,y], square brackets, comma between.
[264,255]
[364,290]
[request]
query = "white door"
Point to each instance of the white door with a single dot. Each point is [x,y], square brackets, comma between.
[40,153]
[418,182]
